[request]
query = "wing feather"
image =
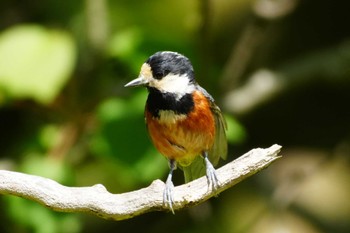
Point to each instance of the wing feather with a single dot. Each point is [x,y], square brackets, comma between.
[219,149]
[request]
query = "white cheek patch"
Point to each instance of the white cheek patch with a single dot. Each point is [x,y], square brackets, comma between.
[177,84]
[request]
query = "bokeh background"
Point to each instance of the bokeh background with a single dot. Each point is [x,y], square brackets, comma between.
[279,69]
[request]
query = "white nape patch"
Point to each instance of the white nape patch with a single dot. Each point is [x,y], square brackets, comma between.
[169,117]
[173,83]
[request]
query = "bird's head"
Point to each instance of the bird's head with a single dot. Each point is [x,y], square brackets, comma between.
[167,72]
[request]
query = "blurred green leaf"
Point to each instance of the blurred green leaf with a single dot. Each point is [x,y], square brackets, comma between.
[125,45]
[35,62]
[122,135]
[40,219]
[235,131]
[48,136]
[50,167]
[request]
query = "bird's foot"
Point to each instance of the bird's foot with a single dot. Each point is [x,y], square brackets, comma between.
[168,194]
[213,181]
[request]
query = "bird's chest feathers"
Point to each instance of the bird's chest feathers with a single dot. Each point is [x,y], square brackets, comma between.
[181,132]
[169,117]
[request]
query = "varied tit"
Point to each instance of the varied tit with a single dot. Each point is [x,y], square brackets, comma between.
[184,123]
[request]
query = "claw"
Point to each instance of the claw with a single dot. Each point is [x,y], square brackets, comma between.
[168,197]
[168,194]
[213,180]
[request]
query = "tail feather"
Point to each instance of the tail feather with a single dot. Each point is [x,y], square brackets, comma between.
[195,170]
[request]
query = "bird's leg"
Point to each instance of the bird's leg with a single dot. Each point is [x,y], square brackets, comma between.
[213,181]
[168,197]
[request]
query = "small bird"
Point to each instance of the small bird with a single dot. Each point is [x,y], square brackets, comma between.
[183,121]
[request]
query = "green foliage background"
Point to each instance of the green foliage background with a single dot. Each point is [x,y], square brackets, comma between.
[280,70]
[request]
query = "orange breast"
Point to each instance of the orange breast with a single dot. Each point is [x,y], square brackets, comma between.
[182,138]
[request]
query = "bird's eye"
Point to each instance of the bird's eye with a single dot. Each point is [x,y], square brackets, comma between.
[161,73]
[158,75]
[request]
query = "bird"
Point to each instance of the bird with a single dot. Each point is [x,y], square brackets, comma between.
[182,120]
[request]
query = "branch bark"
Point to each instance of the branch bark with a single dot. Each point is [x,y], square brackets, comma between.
[97,200]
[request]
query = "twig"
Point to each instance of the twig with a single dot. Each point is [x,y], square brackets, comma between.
[97,200]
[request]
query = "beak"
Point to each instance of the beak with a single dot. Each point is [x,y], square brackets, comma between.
[140,81]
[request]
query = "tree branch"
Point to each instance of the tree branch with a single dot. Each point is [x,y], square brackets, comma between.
[97,200]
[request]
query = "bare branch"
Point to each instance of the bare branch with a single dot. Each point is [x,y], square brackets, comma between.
[97,200]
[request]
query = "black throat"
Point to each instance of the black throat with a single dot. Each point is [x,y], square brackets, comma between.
[158,101]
